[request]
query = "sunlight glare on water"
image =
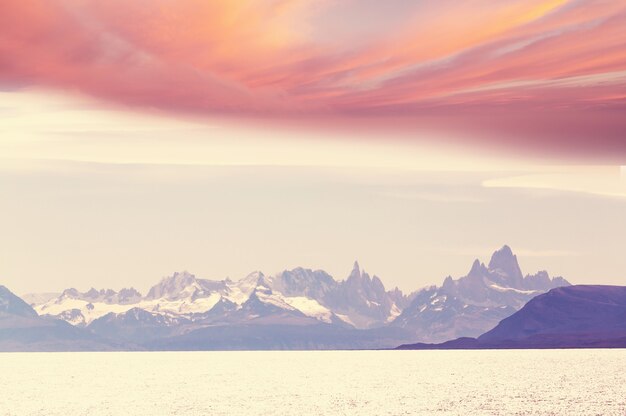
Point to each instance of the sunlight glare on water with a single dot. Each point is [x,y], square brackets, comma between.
[548,382]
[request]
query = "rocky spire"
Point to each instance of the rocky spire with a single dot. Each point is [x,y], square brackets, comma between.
[505,261]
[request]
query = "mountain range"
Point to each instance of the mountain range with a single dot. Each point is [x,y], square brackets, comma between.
[582,316]
[475,303]
[299,308]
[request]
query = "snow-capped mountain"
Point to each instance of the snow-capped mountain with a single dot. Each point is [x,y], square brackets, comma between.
[22,329]
[184,285]
[475,303]
[80,308]
[359,301]
[358,307]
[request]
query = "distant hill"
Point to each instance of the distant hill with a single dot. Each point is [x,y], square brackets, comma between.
[11,304]
[582,316]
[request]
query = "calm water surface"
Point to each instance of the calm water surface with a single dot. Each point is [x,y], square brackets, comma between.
[551,382]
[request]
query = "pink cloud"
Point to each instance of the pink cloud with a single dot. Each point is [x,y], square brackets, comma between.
[552,71]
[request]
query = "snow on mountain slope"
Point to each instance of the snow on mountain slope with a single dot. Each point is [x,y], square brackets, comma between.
[91,310]
[309,307]
[359,301]
[78,311]
[467,306]
[239,292]
[181,294]
[306,306]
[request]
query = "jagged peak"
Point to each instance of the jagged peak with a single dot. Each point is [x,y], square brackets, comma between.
[131,291]
[180,275]
[505,250]
[300,279]
[505,261]
[298,270]
[178,280]
[93,292]
[254,276]
[477,267]
[356,271]
[378,284]
[448,282]
[503,255]
[70,293]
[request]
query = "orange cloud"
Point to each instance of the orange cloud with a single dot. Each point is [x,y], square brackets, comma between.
[284,58]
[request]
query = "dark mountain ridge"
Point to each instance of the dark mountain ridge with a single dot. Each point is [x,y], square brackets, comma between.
[582,316]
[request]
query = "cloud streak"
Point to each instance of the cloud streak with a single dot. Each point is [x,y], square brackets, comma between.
[597,181]
[544,75]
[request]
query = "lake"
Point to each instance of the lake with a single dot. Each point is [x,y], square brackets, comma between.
[506,382]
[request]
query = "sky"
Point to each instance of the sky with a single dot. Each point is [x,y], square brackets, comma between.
[139,138]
